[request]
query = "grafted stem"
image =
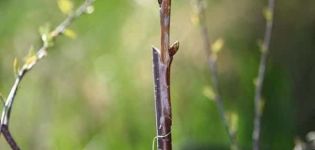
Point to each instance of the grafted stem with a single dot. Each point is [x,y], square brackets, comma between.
[162,60]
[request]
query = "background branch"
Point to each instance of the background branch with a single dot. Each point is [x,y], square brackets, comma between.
[212,63]
[258,102]
[27,66]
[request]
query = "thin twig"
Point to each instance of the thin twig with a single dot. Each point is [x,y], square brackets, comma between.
[162,60]
[8,137]
[269,13]
[212,63]
[41,53]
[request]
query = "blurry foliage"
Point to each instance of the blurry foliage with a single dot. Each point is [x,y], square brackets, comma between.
[95,91]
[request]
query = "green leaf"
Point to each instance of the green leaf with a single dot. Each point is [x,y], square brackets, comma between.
[31,58]
[46,35]
[208,92]
[70,33]
[233,121]
[65,6]
[217,45]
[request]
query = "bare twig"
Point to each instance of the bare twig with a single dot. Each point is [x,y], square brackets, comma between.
[212,63]
[162,60]
[41,53]
[8,137]
[269,13]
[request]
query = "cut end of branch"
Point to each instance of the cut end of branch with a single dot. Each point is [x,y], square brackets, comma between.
[156,50]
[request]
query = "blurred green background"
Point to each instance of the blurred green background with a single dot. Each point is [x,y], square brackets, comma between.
[95,92]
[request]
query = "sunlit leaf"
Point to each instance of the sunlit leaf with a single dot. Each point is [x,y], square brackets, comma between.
[209,93]
[217,45]
[89,9]
[70,33]
[46,35]
[65,6]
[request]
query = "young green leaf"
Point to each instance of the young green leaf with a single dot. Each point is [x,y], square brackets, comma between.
[46,35]
[208,92]
[217,45]
[70,33]
[31,58]
[30,61]
[31,52]
[233,121]
[65,6]
[16,66]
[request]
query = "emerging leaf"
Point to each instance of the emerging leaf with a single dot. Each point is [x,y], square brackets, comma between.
[233,121]
[70,33]
[16,66]
[30,61]
[65,6]
[31,52]
[217,45]
[46,35]
[209,93]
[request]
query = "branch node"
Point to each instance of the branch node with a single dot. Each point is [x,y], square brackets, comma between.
[173,48]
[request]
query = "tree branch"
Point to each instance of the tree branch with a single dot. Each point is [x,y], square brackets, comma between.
[258,102]
[8,137]
[161,69]
[212,63]
[41,53]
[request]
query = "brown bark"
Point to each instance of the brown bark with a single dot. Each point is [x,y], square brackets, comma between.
[162,60]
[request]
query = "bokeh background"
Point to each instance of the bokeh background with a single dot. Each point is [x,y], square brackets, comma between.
[95,92]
